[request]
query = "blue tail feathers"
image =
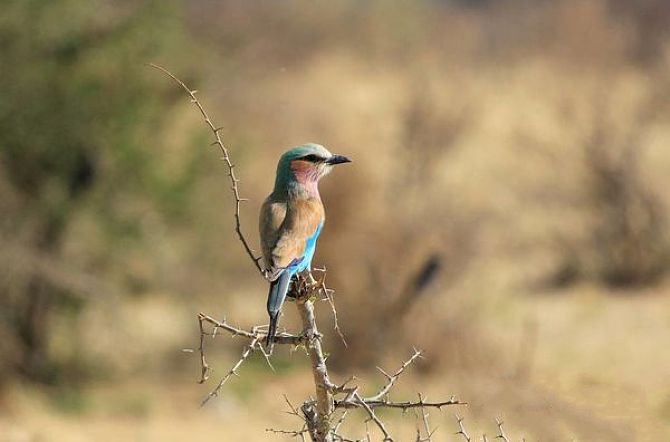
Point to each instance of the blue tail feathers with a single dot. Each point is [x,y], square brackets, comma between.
[276,296]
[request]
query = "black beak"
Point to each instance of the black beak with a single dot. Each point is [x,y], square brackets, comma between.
[337,159]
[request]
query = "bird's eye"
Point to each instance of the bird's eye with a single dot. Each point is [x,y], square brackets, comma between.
[312,158]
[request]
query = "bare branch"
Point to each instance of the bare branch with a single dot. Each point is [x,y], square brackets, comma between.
[461,429]
[233,371]
[393,378]
[328,295]
[294,433]
[407,405]
[294,411]
[226,158]
[317,413]
[342,388]
[373,417]
[353,399]
[424,415]
[501,431]
[338,438]
[322,383]
[265,354]
[204,374]
[254,333]
[340,421]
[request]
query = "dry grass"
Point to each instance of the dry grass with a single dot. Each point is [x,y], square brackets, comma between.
[597,373]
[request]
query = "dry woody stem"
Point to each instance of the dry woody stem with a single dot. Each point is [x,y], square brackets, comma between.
[324,388]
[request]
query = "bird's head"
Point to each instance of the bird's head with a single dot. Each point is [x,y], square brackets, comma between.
[305,165]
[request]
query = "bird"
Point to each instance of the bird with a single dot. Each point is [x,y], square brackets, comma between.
[291,219]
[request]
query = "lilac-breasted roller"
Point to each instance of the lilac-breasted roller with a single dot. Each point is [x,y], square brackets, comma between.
[291,219]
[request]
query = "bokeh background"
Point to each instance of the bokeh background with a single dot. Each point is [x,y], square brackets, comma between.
[507,211]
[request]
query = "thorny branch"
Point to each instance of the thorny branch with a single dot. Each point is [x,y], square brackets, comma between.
[361,402]
[426,426]
[404,406]
[463,432]
[324,387]
[256,336]
[328,295]
[293,433]
[353,399]
[233,371]
[316,413]
[204,372]
[226,158]
[461,429]
[255,332]
[394,377]
[501,431]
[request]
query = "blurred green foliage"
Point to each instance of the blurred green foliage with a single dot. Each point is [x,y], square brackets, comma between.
[77,121]
[77,104]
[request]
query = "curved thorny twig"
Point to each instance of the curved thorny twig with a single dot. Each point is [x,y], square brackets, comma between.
[226,158]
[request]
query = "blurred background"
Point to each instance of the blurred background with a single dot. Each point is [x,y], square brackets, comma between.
[507,211]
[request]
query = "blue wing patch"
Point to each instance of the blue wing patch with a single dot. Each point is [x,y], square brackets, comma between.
[310,247]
